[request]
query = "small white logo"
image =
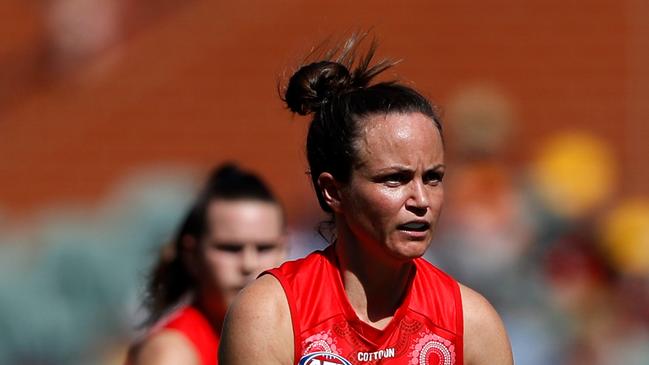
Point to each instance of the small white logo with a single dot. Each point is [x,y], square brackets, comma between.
[323,358]
[376,355]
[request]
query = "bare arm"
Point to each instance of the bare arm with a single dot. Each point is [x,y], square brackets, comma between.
[257,328]
[168,347]
[485,338]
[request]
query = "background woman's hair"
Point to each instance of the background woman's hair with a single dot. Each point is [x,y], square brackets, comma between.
[337,91]
[170,279]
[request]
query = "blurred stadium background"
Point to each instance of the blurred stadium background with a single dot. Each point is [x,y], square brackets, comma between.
[112,111]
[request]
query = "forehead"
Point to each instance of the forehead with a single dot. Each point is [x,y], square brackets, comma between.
[244,220]
[399,138]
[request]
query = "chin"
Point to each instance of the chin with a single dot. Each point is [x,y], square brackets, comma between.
[411,250]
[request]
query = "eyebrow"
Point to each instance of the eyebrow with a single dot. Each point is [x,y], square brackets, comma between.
[404,168]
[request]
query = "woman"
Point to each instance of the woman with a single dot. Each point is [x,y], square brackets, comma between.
[234,230]
[376,159]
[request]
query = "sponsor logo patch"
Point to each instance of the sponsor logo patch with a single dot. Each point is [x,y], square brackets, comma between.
[323,358]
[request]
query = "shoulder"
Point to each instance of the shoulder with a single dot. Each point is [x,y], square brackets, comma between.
[483,329]
[188,320]
[165,347]
[312,261]
[257,326]
[264,296]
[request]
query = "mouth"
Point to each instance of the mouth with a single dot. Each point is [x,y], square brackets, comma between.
[414,226]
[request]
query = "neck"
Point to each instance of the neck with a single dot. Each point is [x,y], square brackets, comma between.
[212,308]
[375,283]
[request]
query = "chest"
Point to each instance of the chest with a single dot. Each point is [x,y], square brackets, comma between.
[411,339]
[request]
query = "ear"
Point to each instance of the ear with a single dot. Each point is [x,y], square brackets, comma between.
[330,189]
[188,243]
[189,253]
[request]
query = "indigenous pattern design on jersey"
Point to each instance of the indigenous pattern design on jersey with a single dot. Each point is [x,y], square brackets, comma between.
[193,325]
[425,330]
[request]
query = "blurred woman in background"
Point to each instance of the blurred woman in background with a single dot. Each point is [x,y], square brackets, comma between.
[376,160]
[233,232]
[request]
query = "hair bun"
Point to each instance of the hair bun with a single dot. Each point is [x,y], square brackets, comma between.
[314,84]
[226,171]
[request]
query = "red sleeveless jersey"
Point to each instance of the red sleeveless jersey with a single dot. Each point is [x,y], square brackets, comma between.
[196,328]
[426,329]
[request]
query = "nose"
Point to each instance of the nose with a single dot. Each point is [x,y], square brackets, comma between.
[418,200]
[249,260]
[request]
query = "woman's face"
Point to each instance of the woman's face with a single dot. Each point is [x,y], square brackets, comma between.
[393,199]
[244,238]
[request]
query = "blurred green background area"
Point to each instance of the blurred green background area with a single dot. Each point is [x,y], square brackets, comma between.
[112,112]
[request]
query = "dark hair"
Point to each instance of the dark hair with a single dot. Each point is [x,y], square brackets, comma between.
[170,279]
[337,92]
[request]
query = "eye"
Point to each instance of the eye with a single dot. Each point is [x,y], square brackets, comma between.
[266,247]
[434,177]
[228,247]
[395,179]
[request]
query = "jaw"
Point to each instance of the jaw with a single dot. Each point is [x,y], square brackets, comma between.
[409,250]
[387,247]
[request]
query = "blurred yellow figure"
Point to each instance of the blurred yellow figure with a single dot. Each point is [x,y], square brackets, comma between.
[626,237]
[574,173]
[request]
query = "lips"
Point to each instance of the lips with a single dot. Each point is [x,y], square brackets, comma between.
[414,226]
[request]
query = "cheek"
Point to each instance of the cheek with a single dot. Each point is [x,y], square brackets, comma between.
[383,202]
[379,209]
[219,264]
[269,261]
[438,199]
[436,203]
